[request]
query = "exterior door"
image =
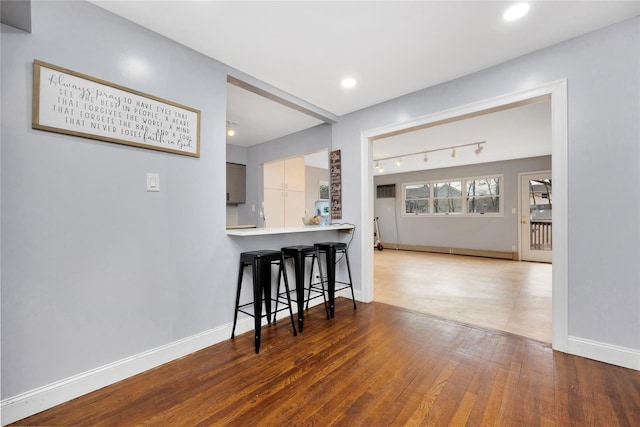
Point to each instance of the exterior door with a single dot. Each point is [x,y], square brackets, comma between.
[536,231]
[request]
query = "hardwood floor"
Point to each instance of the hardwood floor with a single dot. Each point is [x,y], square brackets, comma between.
[500,294]
[379,365]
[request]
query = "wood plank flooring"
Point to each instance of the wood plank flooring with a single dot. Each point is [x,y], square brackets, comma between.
[378,365]
[511,296]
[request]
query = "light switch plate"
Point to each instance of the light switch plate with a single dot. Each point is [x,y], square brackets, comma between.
[153,182]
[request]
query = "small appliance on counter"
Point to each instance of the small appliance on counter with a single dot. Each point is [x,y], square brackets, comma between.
[323,209]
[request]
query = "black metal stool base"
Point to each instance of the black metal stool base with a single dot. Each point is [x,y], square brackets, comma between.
[299,254]
[330,251]
[261,262]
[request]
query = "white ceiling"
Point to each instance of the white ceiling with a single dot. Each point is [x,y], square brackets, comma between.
[520,132]
[257,119]
[392,48]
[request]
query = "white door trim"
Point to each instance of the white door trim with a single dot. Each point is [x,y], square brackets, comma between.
[558,92]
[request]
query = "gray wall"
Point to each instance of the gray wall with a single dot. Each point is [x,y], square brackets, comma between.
[95,269]
[236,154]
[491,233]
[602,71]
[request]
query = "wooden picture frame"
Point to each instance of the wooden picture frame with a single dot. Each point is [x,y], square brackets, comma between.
[72,103]
[335,173]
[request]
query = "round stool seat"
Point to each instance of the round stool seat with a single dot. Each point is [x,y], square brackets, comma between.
[266,254]
[296,249]
[329,245]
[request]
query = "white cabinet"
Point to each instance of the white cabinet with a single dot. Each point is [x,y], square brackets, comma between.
[285,175]
[284,201]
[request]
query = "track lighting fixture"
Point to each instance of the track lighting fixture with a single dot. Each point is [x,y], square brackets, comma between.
[230,130]
[453,148]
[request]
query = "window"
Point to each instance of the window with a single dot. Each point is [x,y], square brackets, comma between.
[416,199]
[483,195]
[447,197]
[461,196]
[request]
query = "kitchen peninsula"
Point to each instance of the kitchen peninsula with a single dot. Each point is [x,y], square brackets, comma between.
[288,230]
[294,238]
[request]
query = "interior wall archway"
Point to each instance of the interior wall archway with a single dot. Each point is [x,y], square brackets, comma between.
[558,92]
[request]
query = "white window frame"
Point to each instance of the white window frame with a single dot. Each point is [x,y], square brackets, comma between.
[404,198]
[464,213]
[500,179]
[433,197]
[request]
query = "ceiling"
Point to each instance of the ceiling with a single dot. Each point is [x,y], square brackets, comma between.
[513,133]
[391,48]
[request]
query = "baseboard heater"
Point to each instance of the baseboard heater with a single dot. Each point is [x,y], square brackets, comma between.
[455,251]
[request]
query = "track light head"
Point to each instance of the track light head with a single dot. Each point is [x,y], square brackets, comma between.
[425,159]
[479,149]
[230,130]
[454,153]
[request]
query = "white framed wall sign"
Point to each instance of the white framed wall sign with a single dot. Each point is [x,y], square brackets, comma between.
[72,103]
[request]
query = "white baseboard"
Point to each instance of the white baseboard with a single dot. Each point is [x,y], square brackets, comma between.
[31,402]
[615,355]
[26,404]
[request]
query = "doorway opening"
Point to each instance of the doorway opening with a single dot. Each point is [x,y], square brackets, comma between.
[557,91]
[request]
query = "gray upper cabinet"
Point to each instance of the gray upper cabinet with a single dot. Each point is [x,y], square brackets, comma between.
[236,183]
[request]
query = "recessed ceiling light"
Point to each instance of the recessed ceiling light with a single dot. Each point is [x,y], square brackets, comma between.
[516,11]
[348,82]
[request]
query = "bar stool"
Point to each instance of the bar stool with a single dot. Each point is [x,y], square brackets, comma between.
[300,253]
[261,262]
[330,250]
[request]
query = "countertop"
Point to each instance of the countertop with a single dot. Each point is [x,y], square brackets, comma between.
[238,227]
[286,230]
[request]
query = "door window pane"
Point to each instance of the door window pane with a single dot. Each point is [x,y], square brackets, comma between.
[540,196]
